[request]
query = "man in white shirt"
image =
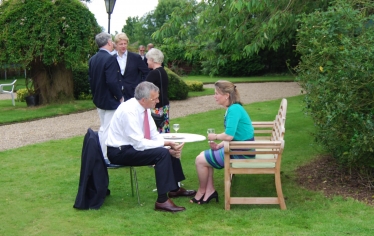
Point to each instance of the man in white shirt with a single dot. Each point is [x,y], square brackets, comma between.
[133,140]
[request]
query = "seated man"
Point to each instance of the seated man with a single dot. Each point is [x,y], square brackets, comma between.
[133,140]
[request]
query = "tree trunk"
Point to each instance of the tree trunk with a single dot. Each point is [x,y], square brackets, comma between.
[52,83]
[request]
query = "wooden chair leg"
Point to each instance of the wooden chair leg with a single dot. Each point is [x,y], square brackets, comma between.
[227,189]
[278,186]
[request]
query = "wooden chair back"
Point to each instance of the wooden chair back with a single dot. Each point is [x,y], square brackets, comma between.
[268,148]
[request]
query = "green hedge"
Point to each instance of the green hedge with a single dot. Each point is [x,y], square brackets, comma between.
[178,89]
[81,83]
[336,71]
[195,86]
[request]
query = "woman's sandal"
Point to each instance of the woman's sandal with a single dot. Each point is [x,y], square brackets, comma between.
[197,201]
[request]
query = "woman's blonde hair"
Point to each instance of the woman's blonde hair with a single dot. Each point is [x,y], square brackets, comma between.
[226,87]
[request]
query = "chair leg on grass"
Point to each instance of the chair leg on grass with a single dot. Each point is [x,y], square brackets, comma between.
[278,186]
[136,184]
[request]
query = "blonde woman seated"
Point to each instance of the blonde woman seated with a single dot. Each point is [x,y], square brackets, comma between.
[238,127]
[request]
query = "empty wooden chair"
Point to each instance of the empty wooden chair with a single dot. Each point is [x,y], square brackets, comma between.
[268,148]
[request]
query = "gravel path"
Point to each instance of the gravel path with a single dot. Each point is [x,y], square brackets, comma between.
[21,134]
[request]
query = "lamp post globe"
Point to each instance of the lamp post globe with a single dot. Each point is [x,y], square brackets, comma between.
[109,5]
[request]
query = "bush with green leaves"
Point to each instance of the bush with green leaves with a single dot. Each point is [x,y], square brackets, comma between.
[336,71]
[178,89]
[81,83]
[195,86]
[21,94]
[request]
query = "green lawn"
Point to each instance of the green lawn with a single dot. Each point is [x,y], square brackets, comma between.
[20,112]
[39,184]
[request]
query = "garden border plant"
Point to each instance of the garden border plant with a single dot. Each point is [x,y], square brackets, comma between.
[336,71]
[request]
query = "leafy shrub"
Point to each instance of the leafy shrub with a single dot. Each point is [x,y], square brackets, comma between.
[81,84]
[85,96]
[21,94]
[178,89]
[336,71]
[195,85]
[244,67]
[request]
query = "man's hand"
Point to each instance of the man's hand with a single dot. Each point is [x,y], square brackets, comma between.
[178,146]
[174,153]
[176,149]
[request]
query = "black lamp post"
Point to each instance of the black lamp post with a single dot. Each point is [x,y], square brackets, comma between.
[109,4]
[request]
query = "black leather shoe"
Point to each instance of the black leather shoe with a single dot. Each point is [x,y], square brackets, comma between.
[182,193]
[168,206]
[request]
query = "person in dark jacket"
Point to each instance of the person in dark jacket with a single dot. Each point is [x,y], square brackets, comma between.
[131,70]
[159,77]
[105,87]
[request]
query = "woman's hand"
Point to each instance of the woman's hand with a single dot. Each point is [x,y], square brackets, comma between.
[213,145]
[212,137]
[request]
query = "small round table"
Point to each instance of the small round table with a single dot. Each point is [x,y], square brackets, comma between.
[183,137]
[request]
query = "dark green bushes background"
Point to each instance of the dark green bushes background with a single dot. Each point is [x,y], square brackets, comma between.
[336,71]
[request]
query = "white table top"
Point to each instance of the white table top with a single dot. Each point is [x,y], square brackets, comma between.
[183,137]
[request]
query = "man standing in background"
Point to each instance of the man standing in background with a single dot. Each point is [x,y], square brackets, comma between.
[142,54]
[131,70]
[105,87]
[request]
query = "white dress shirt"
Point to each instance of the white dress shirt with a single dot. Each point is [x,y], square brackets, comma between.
[126,127]
[122,62]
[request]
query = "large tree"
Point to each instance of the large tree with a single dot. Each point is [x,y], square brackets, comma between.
[234,29]
[140,30]
[49,38]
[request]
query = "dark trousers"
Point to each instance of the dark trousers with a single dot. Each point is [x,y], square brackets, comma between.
[168,169]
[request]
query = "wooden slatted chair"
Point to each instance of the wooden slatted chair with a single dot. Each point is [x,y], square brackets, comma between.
[268,148]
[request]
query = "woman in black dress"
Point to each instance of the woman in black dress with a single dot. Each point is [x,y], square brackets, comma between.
[159,77]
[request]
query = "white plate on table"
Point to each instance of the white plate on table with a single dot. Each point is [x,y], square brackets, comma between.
[172,137]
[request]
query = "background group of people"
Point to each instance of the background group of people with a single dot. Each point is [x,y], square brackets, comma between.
[128,136]
[113,78]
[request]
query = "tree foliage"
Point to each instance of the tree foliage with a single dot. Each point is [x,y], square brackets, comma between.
[219,31]
[336,71]
[140,30]
[48,37]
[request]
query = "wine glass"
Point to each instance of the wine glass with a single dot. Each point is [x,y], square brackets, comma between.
[211,131]
[176,127]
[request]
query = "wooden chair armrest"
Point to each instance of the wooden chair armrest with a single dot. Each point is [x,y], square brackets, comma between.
[262,124]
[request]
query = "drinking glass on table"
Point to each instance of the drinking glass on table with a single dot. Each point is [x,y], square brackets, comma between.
[211,131]
[176,127]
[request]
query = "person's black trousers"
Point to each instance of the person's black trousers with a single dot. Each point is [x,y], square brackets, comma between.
[168,169]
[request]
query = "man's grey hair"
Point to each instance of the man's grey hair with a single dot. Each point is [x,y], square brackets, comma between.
[143,90]
[156,55]
[102,39]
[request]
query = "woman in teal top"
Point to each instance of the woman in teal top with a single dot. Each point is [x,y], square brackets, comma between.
[238,127]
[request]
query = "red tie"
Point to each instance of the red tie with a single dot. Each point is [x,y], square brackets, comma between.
[147,131]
